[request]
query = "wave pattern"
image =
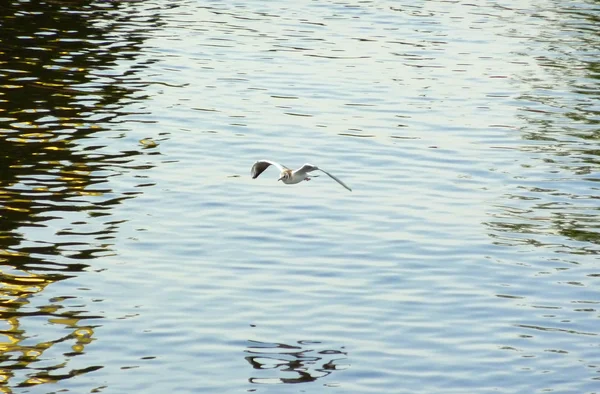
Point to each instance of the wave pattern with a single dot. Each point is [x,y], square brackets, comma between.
[61,98]
[138,255]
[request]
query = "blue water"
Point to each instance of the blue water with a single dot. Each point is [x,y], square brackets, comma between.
[138,255]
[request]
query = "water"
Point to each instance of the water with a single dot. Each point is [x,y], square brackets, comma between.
[138,255]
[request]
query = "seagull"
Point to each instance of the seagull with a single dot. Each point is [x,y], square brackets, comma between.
[289,176]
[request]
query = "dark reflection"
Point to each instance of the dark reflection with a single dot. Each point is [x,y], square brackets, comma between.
[69,74]
[301,363]
[17,353]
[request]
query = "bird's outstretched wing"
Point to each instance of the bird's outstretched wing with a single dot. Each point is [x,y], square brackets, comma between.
[260,166]
[335,179]
[309,167]
[305,169]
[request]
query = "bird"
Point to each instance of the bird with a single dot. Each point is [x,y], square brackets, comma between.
[289,176]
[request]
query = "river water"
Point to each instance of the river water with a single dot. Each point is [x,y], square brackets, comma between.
[138,255]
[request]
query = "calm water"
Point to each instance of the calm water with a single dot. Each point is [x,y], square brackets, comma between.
[138,255]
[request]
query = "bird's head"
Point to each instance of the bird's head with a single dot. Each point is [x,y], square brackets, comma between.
[284,175]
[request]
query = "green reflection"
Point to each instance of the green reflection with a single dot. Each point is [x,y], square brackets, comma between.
[556,199]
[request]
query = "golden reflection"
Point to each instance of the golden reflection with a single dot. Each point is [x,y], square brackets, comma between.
[148,143]
[16,209]
[55,176]
[26,136]
[53,148]
[16,349]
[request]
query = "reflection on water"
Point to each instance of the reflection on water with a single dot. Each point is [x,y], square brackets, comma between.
[555,195]
[303,363]
[18,353]
[549,209]
[399,271]
[56,167]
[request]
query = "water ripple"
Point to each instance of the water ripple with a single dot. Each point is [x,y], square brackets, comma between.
[139,255]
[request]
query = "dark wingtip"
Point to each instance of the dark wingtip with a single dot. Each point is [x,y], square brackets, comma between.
[258,168]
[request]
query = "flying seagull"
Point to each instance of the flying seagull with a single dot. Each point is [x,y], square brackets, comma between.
[289,176]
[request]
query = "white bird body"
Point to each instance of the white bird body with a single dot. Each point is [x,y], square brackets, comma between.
[289,176]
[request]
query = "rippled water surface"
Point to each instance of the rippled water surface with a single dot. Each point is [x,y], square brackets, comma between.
[138,255]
